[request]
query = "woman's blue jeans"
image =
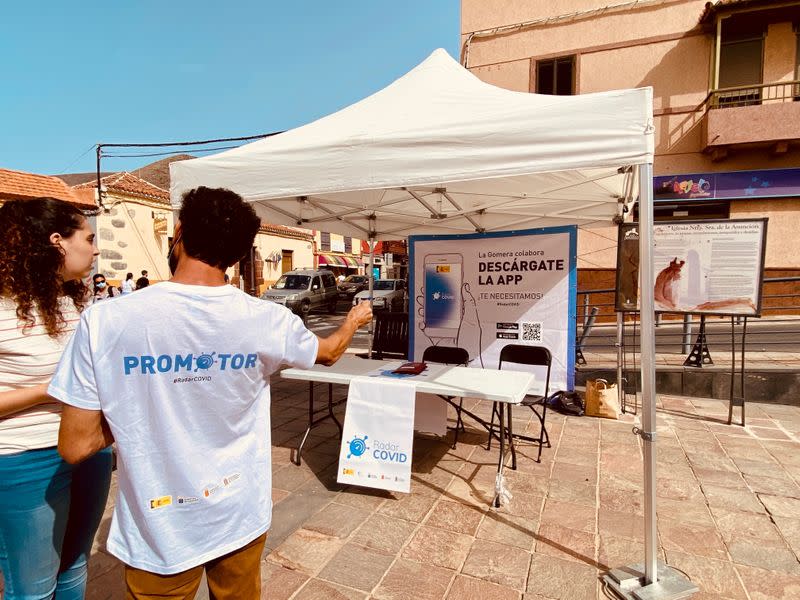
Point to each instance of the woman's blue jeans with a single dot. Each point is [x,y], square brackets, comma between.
[49,513]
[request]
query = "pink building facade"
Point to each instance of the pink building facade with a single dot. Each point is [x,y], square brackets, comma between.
[726,87]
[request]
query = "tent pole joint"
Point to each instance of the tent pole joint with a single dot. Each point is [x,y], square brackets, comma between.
[647,436]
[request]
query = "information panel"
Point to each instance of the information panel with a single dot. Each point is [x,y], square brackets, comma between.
[481,292]
[702,267]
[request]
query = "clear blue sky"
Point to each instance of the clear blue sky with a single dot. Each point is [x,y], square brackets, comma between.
[78,73]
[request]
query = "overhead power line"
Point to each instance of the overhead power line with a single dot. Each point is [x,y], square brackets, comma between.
[99,149]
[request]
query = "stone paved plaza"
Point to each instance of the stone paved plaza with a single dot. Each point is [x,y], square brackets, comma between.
[728,511]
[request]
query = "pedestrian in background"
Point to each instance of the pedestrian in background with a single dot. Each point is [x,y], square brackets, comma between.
[100,288]
[127,286]
[143,281]
[49,509]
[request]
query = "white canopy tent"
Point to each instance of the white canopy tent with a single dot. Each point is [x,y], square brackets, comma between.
[441,152]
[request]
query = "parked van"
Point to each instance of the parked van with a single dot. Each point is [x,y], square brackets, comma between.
[305,290]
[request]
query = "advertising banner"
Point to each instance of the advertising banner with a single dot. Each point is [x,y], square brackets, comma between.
[378,434]
[769,183]
[481,292]
[702,267]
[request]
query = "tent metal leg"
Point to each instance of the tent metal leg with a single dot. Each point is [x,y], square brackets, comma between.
[370,267]
[648,581]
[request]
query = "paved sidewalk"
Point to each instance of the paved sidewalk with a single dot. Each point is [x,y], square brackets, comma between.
[728,511]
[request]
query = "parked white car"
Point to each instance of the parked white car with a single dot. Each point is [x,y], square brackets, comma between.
[388,294]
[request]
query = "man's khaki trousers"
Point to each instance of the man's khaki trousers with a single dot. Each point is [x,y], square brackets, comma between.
[235,576]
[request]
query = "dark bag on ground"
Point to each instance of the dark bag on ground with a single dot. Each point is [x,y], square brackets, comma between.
[567,403]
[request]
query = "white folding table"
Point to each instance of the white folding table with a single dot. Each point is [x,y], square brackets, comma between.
[508,387]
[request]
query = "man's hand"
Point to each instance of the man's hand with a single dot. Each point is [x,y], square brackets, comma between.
[361,313]
[332,347]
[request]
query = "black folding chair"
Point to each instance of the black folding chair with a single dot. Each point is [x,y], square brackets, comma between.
[449,355]
[390,337]
[525,355]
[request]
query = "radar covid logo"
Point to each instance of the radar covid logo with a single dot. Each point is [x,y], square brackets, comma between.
[357,446]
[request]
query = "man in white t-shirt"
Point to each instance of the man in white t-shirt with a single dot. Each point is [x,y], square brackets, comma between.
[192,419]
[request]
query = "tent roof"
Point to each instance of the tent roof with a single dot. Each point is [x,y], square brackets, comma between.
[440,151]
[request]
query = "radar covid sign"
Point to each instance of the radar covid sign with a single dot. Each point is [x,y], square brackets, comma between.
[378,434]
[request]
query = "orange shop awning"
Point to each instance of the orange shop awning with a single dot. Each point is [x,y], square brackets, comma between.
[331,260]
[353,262]
[338,260]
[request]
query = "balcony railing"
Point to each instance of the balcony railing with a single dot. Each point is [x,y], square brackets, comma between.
[764,93]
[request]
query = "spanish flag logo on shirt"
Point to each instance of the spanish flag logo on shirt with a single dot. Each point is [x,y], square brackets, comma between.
[161,502]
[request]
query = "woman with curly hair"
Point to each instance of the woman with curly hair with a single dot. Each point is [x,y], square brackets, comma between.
[49,510]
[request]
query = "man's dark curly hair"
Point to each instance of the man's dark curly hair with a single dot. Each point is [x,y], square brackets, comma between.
[217,226]
[30,265]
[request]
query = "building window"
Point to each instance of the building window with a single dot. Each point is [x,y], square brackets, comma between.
[556,76]
[348,245]
[740,64]
[797,64]
[741,60]
[325,241]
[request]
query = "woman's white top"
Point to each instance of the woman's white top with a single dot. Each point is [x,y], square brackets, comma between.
[29,357]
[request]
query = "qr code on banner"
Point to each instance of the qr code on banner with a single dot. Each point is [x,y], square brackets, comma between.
[531,332]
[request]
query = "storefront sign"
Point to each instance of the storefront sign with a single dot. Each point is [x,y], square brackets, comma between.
[481,292]
[738,185]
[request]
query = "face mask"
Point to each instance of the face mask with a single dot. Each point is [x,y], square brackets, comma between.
[101,285]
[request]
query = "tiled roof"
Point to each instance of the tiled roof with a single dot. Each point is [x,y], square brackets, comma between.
[21,185]
[87,196]
[290,232]
[713,8]
[156,173]
[129,184]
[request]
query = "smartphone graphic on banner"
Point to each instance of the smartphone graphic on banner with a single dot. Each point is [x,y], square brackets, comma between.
[443,279]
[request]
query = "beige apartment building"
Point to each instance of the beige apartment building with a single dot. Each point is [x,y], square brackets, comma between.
[133,227]
[136,221]
[134,231]
[726,98]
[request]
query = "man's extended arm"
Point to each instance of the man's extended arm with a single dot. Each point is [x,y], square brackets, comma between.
[82,433]
[332,347]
